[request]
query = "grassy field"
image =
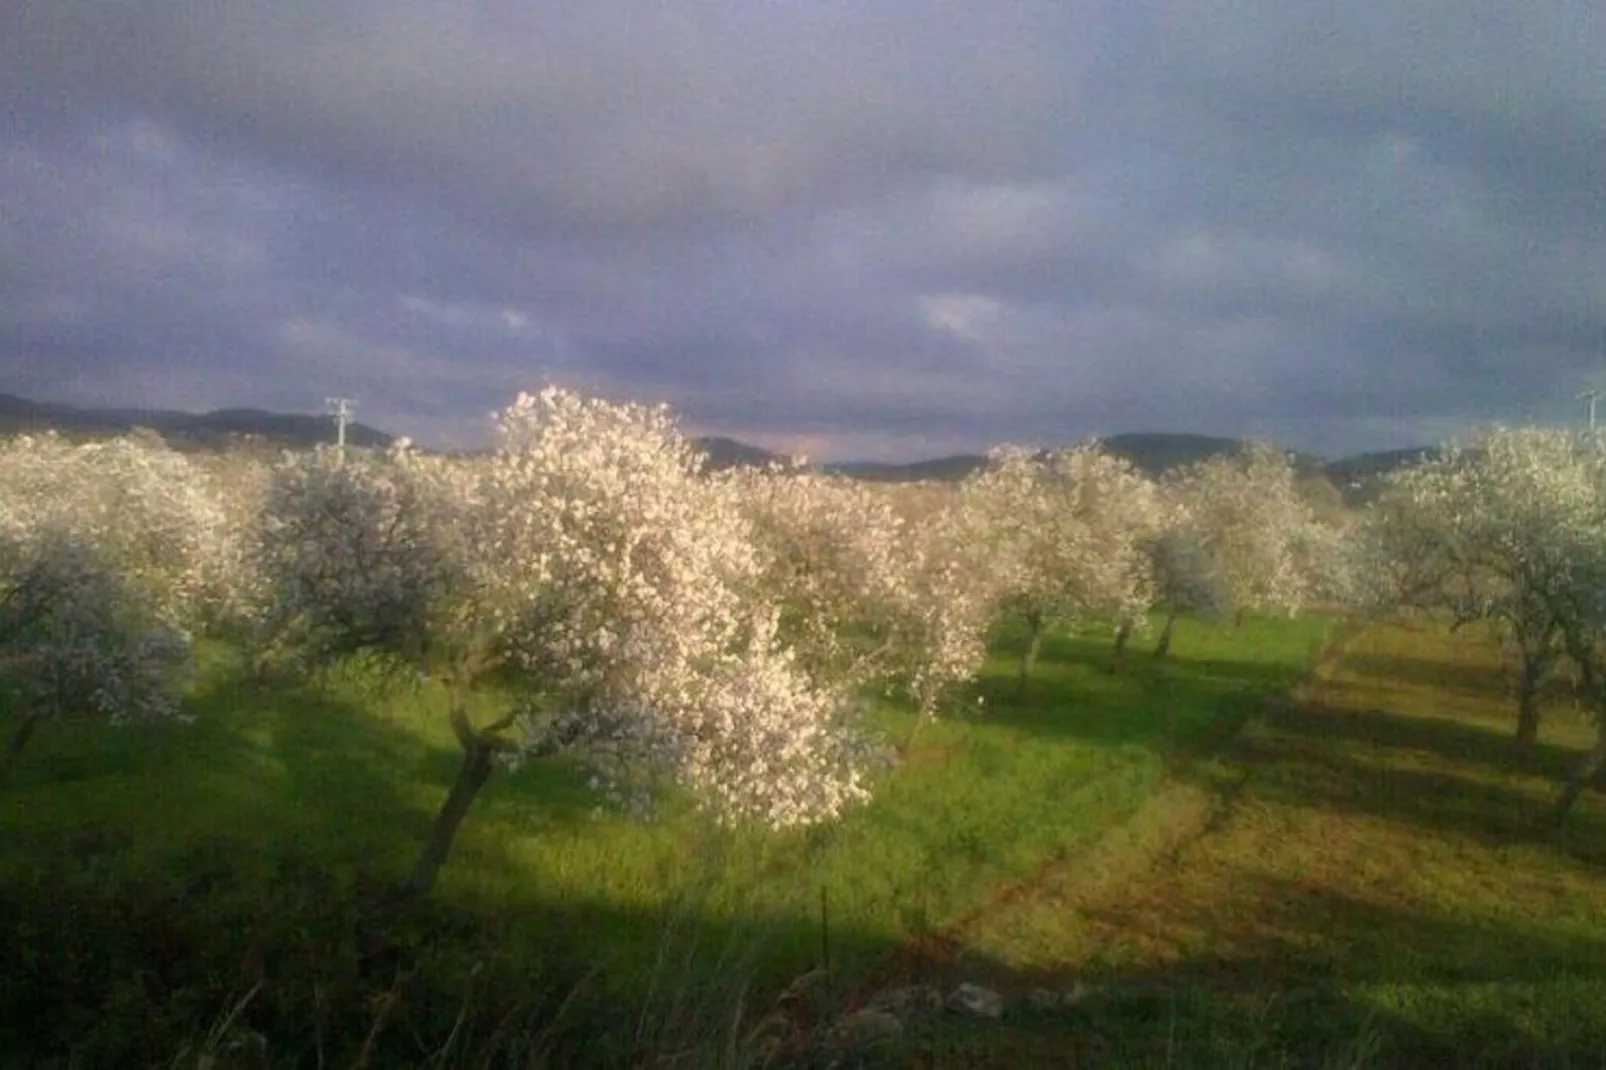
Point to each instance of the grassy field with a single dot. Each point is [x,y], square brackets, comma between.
[156,877]
[1357,881]
[1247,856]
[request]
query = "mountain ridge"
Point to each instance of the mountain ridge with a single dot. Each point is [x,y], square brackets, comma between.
[215,429]
[1151,452]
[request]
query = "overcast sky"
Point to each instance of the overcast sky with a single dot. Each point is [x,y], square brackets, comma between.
[879,229]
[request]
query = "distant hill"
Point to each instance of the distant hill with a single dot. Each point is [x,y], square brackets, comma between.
[1356,477]
[1151,453]
[949,469]
[1364,466]
[1360,478]
[210,430]
[20,414]
[728,453]
[298,429]
[1157,452]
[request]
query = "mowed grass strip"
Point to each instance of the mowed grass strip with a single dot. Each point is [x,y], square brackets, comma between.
[1373,889]
[159,869]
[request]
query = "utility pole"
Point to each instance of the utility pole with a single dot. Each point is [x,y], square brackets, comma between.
[340,409]
[1590,396]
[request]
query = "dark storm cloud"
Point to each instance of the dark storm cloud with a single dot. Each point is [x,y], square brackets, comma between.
[891,229]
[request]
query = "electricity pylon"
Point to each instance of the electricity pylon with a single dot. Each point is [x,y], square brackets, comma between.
[1590,396]
[340,409]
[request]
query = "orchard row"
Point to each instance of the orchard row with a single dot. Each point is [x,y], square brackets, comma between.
[718,629]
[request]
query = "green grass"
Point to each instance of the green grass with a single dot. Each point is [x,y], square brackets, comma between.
[1256,858]
[160,871]
[1366,883]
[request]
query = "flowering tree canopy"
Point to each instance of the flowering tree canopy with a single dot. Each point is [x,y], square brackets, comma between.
[107,564]
[1249,520]
[1068,533]
[631,583]
[1491,532]
[868,594]
[1511,529]
[590,555]
[153,515]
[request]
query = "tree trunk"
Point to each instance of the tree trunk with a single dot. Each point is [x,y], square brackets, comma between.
[1118,656]
[1527,738]
[471,777]
[1538,654]
[914,732]
[19,740]
[1240,617]
[1591,764]
[1034,646]
[1162,649]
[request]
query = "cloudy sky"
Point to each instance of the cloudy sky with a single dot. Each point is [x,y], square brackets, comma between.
[884,228]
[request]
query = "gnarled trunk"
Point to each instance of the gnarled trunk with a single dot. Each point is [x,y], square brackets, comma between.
[1527,737]
[1162,649]
[908,744]
[479,752]
[480,748]
[1538,653]
[19,740]
[1123,634]
[1034,647]
[471,777]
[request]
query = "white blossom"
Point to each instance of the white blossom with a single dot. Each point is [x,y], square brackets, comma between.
[106,567]
[1241,537]
[588,553]
[1067,532]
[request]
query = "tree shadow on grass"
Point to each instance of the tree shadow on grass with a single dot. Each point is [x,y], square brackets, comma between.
[1479,679]
[174,867]
[1445,803]
[1317,943]
[126,971]
[1455,740]
[349,766]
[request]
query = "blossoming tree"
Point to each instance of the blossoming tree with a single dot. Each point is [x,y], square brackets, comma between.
[1236,540]
[1583,631]
[1184,575]
[1511,529]
[870,595]
[589,556]
[1565,539]
[1067,533]
[1473,533]
[110,560]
